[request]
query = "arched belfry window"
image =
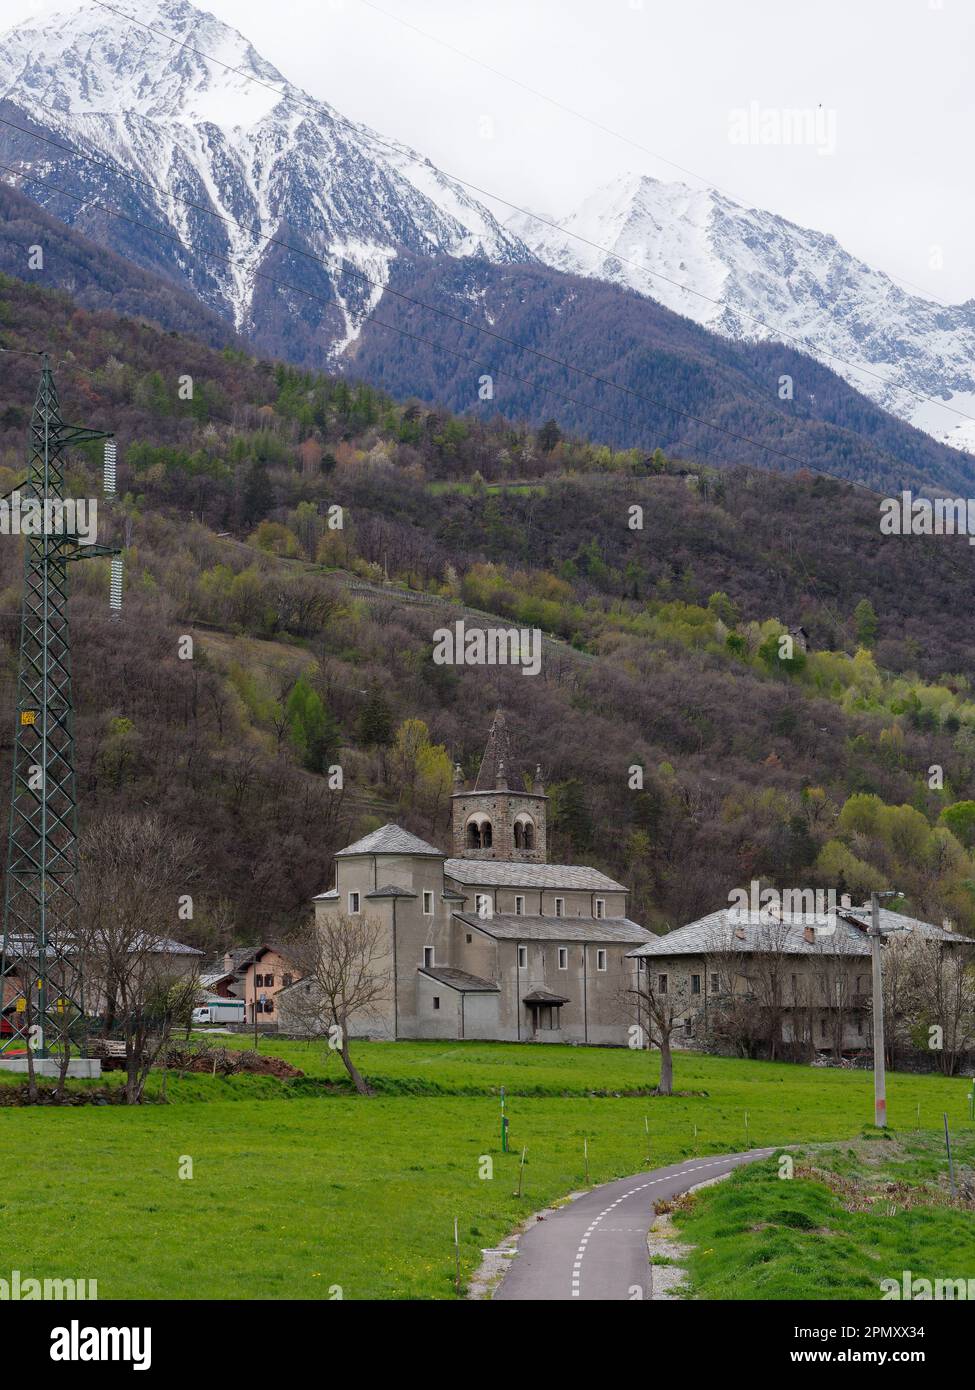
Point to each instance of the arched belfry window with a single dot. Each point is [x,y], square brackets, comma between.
[479,833]
[524,831]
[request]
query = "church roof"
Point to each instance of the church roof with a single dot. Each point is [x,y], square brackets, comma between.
[390,839]
[505,874]
[514,927]
[497,756]
[459,980]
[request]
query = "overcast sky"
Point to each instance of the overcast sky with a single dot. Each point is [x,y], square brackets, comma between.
[893,79]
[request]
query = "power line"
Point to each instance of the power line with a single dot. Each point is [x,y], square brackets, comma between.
[292,95]
[493,370]
[589,120]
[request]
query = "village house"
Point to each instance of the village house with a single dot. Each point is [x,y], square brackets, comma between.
[256,974]
[491,941]
[733,975]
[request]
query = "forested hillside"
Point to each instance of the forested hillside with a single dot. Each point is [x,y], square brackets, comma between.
[811,770]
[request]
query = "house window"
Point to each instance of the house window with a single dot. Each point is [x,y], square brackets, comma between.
[522,957]
[469,938]
[258,981]
[269,979]
[661,984]
[427,903]
[600,907]
[353,902]
[427,957]
[600,959]
[714,983]
[563,957]
[287,980]
[482,905]
[641,964]
[436,1001]
[695,984]
[559,907]
[519,905]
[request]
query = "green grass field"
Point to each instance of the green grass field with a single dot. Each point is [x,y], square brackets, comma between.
[850,1216]
[293,1194]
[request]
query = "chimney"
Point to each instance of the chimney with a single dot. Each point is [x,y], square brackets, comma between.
[809,935]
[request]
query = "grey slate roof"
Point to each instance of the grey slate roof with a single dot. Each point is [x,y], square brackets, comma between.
[544,996]
[509,926]
[459,980]
[723,931]
[390,839]
[497,873]
[391,890]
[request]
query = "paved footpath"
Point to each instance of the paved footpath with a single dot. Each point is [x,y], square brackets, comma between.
[596,1247]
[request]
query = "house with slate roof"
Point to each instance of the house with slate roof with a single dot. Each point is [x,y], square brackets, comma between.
[812,974]
[491,941]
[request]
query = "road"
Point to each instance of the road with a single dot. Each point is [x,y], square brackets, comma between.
[595,1248]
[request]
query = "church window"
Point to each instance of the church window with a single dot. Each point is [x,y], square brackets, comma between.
[353,902]
[436,1001]
[519,905]
[482,905]
[428,956]
[600,907]
[661,984]
[522,957]
[427,902]
[473,835]
[695,984]
[559,907]
[600,959]
[563,957]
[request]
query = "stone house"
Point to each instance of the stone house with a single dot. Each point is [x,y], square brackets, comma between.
[491,941]
[729,970]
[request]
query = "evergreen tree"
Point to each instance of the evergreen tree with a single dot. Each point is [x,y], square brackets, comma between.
[376,720]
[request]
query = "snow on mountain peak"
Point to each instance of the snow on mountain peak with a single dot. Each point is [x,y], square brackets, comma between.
[209,119]
[748,273]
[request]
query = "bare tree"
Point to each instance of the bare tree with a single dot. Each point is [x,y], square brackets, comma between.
[929,996]
[344,958]
[660,1001]
[134,873]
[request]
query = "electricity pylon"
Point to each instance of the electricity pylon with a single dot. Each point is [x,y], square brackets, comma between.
[40,948]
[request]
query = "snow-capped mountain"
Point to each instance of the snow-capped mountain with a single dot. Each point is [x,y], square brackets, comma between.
[261,152]
[750,268]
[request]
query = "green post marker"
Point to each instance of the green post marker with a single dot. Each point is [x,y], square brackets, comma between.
[585,1150]
[971,1101]
[951,1166]
[646,1126]
[504,1126]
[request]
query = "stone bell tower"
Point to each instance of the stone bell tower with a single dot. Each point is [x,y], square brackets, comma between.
[494,820]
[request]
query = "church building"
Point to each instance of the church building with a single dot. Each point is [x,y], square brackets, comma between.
[491,941]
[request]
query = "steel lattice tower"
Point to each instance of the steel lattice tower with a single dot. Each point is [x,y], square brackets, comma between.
[41,888]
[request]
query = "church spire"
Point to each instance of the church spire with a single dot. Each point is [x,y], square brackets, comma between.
[496,763]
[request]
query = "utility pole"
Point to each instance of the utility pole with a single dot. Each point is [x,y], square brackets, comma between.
[879,1072]
[41,890]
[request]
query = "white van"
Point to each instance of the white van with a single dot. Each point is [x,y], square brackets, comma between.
[220,1011]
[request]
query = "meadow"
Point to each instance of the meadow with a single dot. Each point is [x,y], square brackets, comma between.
[304,1193]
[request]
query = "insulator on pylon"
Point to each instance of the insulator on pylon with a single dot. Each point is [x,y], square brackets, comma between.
[111,458]
[115,591]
